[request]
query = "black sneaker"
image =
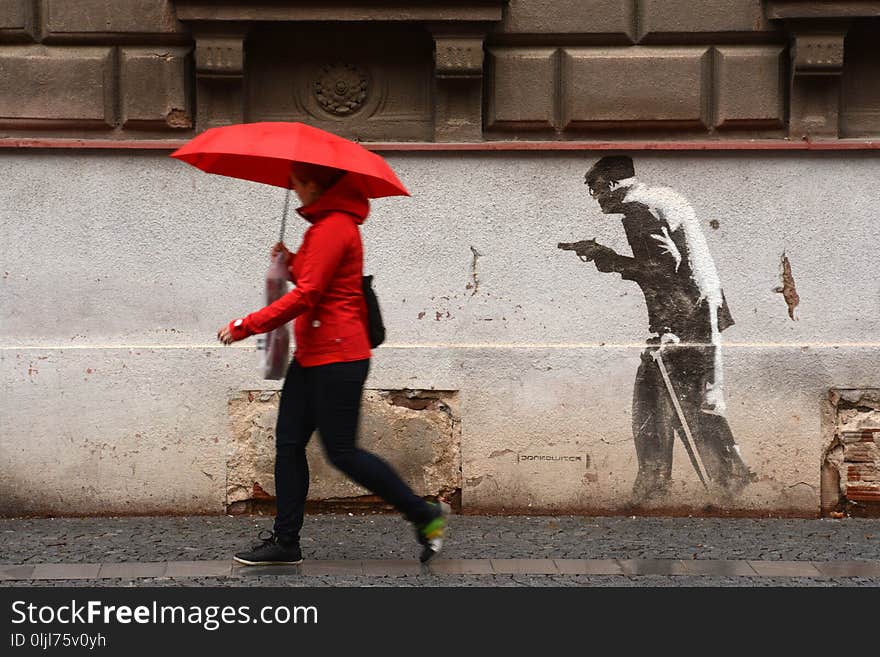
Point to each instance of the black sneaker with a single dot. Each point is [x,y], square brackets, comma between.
[430,534]
[270,552]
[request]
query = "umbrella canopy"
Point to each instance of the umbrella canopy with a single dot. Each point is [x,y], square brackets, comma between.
[263,152]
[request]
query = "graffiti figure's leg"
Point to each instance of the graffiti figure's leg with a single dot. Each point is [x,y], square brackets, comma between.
[681,399]
[712,434]
[652,432]
[721,454]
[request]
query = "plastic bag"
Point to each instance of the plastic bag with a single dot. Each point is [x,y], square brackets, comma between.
[274,347]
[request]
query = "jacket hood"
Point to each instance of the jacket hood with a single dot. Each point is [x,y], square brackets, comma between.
[347,196]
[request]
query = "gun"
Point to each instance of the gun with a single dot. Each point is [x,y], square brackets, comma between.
[585,249]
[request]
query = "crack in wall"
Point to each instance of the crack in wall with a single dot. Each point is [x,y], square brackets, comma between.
[476,284]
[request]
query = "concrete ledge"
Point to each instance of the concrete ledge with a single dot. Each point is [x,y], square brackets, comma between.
[785,568]
[409,568]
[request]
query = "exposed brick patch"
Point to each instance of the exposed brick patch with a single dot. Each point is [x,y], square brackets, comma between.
[851,470]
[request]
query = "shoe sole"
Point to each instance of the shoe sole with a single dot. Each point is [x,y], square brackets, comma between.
[428,555]
[266,563]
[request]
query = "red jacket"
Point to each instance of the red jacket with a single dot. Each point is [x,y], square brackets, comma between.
[328,301]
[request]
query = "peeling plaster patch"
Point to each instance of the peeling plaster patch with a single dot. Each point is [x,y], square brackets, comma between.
[178,118]
[418,432]
[417,400]
[788,290]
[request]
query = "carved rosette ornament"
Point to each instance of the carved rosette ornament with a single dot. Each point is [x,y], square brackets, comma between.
[341,89]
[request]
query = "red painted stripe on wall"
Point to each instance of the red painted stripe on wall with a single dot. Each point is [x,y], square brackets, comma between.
[743,145]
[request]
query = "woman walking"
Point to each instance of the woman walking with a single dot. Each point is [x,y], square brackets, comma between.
[325,379]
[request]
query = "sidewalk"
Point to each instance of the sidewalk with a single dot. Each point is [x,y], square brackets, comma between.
[380,550]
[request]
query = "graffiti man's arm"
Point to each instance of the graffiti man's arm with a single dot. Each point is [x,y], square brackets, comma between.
[607,261]
[631,269]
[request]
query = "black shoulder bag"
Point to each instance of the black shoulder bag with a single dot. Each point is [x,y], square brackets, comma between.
[375,325]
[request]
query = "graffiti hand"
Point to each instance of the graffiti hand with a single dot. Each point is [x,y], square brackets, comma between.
[668,246]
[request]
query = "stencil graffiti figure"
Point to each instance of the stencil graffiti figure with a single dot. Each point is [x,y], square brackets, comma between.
[678,387]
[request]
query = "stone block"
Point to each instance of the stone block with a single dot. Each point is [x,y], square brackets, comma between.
[750,86]
[569,17]
[627,87]
[818,54]
[522,94]
[220,56]
[682,16]
[64,19]
[17,20]
[154,90]
[418,434]
[458,56]
[67,86]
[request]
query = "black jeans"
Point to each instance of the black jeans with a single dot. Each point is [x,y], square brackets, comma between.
[328,398]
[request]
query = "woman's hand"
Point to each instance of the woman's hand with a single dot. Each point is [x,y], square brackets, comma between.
[280,248]
[225,336]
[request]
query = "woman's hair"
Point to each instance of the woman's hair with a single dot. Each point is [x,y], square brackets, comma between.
[324,177]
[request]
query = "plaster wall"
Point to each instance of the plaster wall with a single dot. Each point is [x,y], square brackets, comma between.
[117,269]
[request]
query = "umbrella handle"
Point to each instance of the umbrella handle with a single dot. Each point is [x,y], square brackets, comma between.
[284,215]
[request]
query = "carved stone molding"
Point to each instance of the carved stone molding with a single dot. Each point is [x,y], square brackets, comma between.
[458,83]
[818,30]
[812,9]
[816,73]
[341,89]
[458,28]
[340,10]
[220,56]
[818,54]
[219,63]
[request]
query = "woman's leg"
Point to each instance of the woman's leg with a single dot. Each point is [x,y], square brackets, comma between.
[338,390]
[292,432]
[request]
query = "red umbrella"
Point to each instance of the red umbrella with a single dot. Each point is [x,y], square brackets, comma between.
[263,152]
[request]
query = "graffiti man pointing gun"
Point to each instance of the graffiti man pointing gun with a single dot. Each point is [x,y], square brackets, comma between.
[678,391]
[586,250]
[592,251]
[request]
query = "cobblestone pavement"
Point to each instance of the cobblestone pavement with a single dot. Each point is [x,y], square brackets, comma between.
[388,537]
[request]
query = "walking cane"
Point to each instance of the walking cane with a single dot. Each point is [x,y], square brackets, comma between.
[687,439]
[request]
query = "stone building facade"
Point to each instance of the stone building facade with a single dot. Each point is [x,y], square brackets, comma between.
[507,380]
